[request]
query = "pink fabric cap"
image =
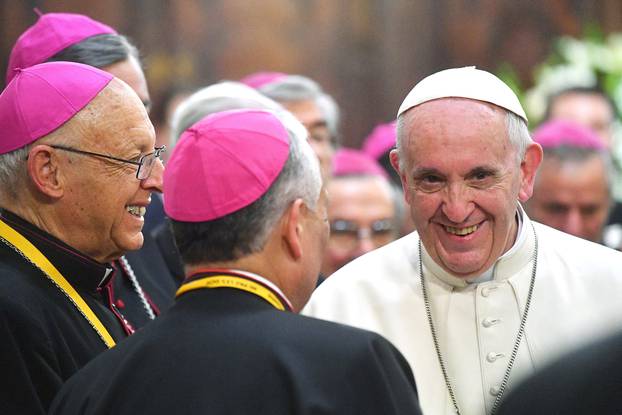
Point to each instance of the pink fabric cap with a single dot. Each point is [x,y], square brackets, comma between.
[52,33]
[381,140]
[259,79]
[562,132]
[351,162]
[43,97]
[224,163]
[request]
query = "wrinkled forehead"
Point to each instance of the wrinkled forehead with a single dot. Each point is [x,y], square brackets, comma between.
[307,112]
[117,117]
[453,115]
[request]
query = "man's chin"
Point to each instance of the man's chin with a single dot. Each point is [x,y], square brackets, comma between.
[463,268]
[134,243]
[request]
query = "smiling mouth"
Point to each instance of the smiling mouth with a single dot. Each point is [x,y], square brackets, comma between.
[138,211]
[461,231]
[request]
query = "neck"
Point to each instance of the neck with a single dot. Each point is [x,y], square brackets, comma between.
[50,219]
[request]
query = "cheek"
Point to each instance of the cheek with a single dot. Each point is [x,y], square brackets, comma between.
[424,206]
[336,255]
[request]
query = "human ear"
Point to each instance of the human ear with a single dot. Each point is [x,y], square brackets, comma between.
[529,167]
[293,228]
[43,170]
[394,157]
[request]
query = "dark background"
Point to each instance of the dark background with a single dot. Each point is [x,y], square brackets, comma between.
[366,53]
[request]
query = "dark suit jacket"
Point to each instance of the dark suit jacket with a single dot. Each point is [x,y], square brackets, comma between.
[165,242]
[586,382]
[224,351]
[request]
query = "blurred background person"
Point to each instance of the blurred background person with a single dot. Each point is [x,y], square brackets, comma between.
[378,144]
[590,107]
[572,190]
[362,209]
[313,107]
[162,114]
[594,109]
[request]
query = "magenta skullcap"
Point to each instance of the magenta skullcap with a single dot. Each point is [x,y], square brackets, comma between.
[381,140]
[558,133]
[52,33]
[259,79]
[351,162]
[224,163]
[43,97]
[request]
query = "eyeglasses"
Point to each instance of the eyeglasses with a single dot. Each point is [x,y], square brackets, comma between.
[145,163]
[347,234]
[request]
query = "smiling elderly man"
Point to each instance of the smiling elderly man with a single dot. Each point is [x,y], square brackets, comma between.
[77,167]
[479,296]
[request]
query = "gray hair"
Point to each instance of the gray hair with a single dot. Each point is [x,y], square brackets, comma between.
[13,164]
[518,134]
[246,231]
[573,154]
[300,88]
[222,96]
[98,51]
[12,170]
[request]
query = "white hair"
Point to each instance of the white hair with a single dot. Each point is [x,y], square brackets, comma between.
[218,97]
[293,88]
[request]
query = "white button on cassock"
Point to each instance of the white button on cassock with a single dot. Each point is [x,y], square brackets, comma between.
[486,291]
[492,356]
[489,322]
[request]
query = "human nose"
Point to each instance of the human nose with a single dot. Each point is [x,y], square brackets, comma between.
[573,224]
[365,242]
[457,204]
[155,180]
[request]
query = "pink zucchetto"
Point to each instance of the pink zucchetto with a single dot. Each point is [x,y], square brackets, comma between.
[351,162]
[467,82]
[52,33]
[259,79]
[566,133]
[381,140]
[43,97]
[224,163]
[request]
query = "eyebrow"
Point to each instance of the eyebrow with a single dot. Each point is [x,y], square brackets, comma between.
[482,169]
[422,171]
[317,124]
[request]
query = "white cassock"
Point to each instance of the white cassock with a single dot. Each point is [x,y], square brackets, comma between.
[577,296]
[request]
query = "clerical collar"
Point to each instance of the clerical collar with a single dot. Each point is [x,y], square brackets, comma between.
[207,278]
[80,271]
[519,255]
[521,234]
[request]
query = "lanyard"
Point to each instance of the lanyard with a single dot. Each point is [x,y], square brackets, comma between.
[235,282]
[34,256]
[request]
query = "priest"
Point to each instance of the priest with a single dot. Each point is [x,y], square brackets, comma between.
[77,166]
[479,296]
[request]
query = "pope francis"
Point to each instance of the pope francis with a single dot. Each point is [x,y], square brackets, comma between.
[479,296]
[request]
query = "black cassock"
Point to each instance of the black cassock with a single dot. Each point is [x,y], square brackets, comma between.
[227,351]
[43,337]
